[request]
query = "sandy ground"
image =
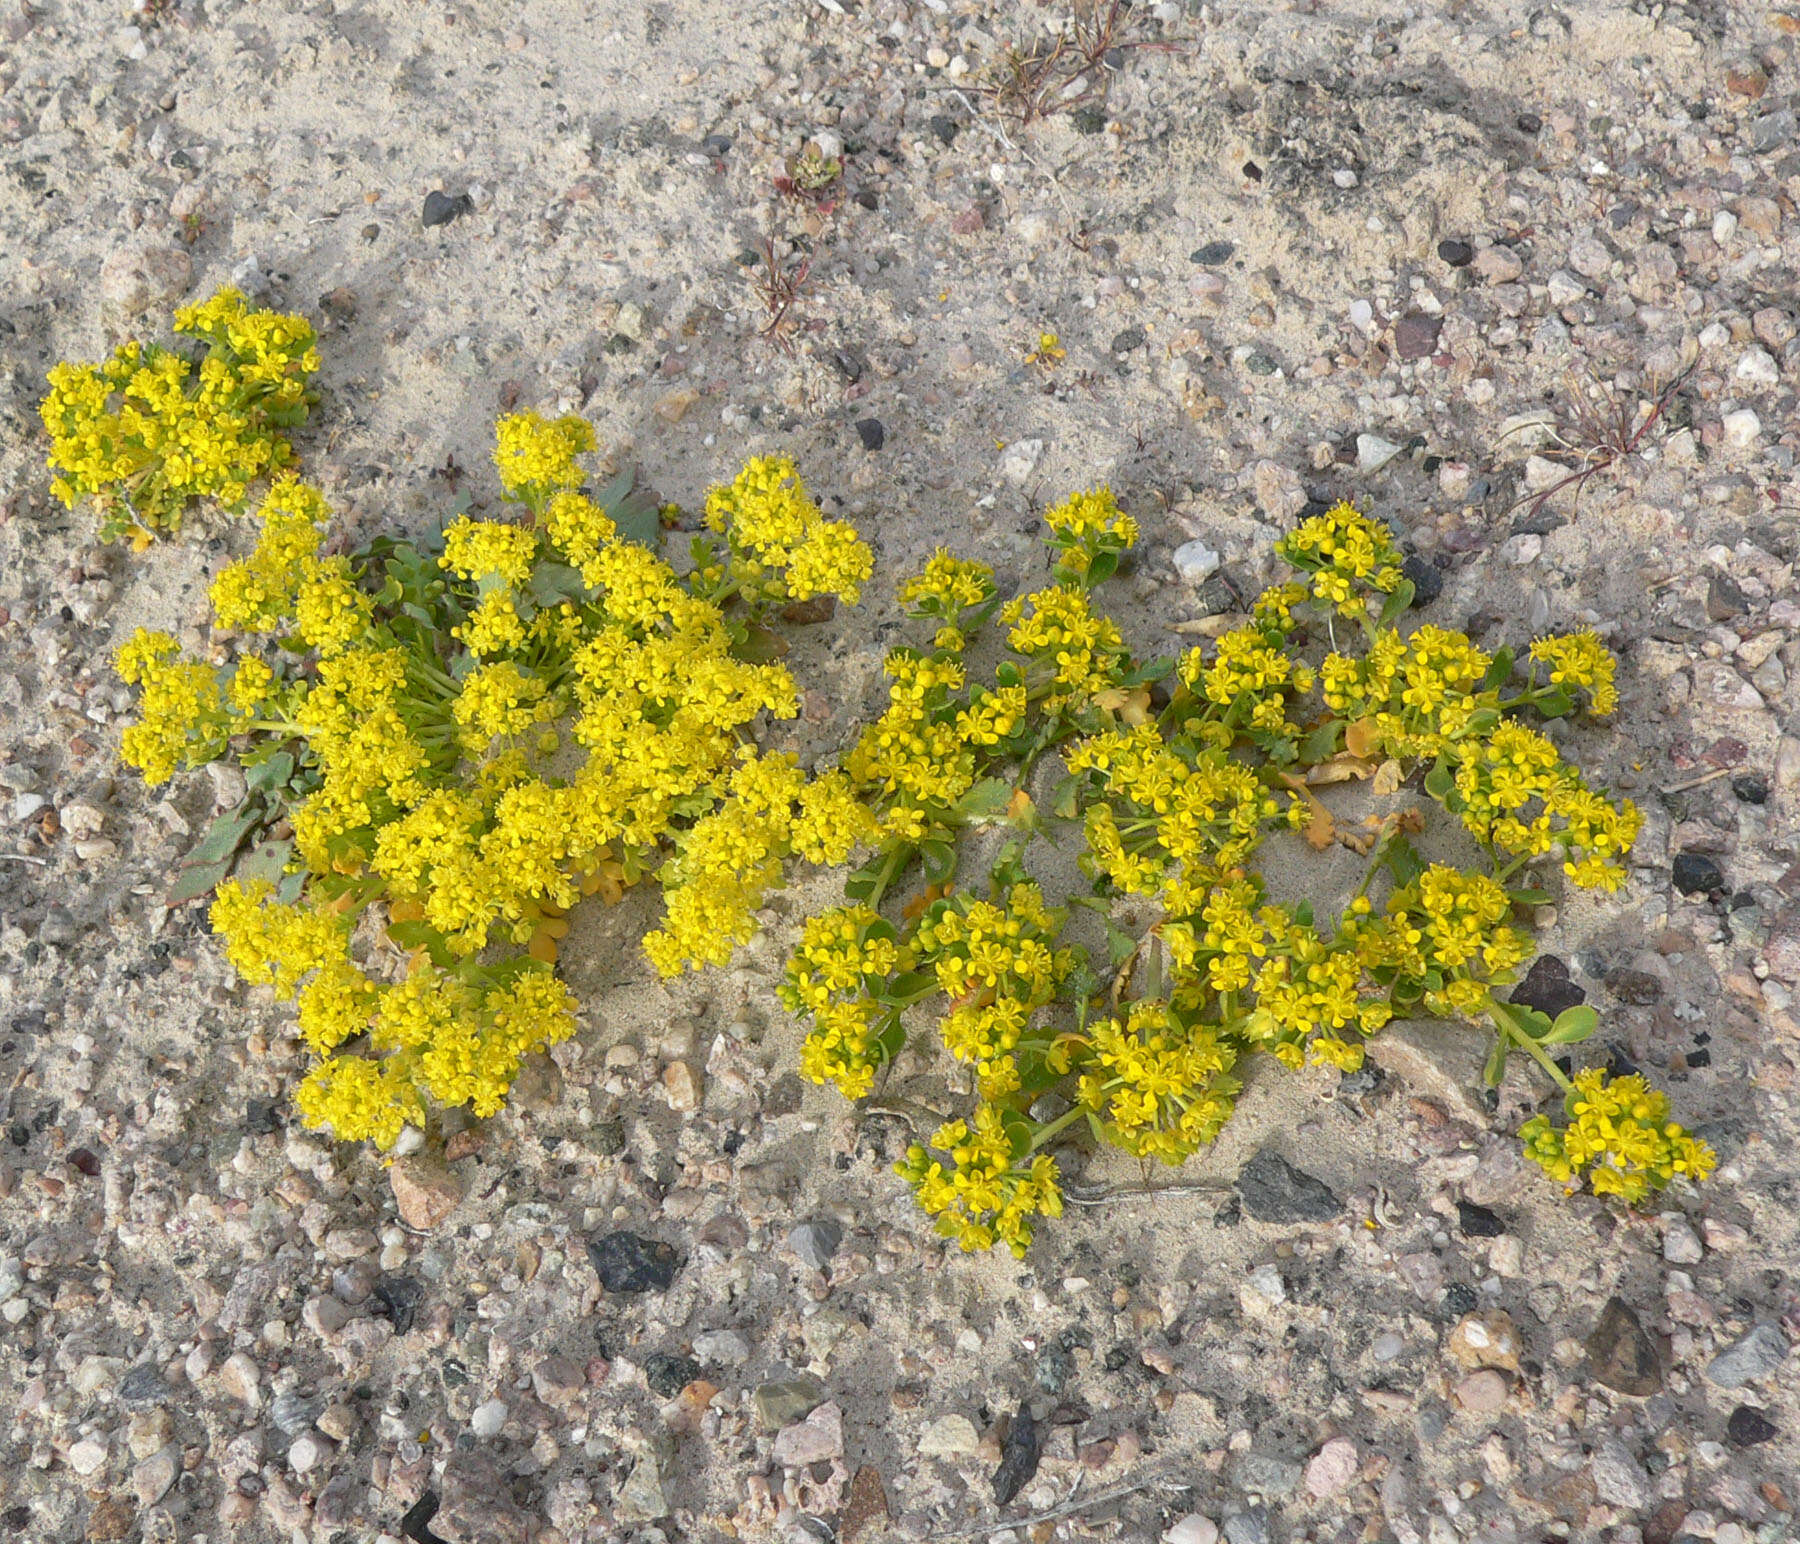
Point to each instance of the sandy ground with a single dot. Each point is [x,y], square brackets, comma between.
[1244,230]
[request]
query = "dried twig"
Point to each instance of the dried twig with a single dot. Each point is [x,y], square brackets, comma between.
[1068,1508]
[1697,782]
[1102,1195]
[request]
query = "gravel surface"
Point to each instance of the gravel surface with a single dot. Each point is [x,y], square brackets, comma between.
[1292,253]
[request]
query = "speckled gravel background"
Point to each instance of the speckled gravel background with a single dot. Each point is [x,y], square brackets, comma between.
[1293,252]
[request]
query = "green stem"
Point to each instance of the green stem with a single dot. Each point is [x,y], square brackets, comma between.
[1511,1026]
[1046,1134]
[890,871]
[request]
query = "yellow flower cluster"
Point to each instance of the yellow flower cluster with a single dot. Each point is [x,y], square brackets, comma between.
[1090,531]
[1160,1088]
[1581,661]
[149,431]
[992,1187]
[1348,556]
[1069,649]
[535,456]
[782,548]
[1516,794]
[1619,1138]
[183,718]
[845,957]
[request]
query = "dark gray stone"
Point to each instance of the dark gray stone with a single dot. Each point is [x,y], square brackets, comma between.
[1621,1355]
[1751,1356]
[441,208]
[1273,1190]
[626,1263]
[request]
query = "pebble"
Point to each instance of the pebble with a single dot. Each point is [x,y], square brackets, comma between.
[814,1243]
[1749,1427]
[1458,254]
[722,1348]
[1389,1346]
[1416,336]
[1373,452]
[151,1479]
[1753,1355]
[1619,1479]
[1265,1289]
[629,1263]
[784,1402]
[1020,460]
[558,1380]
[1273,1190]
[1332,1468]
[949,1436]
[1498,264]
[1194,561]
[1192,1529]
[87,1456]
[872,432]
[816,1439]
[1681,1244]
[1697,873]
[1213,253]
[684,1084]
[1741,428]
[309,1450]
[1755,367]
[641,1498]
[292,1412]
[240,1379]
[1278,491]
[477,1505]
[1482,1393]
[137,279]
[488,1418]
[1250,1526]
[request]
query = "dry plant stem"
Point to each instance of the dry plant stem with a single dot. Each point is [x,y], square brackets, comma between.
[780,289]
[1069,1508]
[1608,442]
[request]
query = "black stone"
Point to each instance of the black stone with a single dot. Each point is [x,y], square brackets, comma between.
[413,1524]
[1477,1221]
[1748,1426]
[1019,1455]
[1695,873]
[946,129]
[716,144]
[1273,1190]
[1725,598]
[624,1262]
[143,1388]
[1131,338]
[1459,1298]
[1621,1356]
[1427,582]
[1751,787]
[1699,1058]
[1260,363]
[441,208]
[1213,253]
[399,1298]
[1528,123]
[1458,254]
[1547,987]
[669,1375]
[15,1518]
[871,432]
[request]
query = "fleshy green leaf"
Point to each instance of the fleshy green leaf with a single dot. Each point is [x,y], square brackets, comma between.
[1572,1026]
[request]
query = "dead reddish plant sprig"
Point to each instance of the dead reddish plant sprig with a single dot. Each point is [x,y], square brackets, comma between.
[779,286]
[1602,436]
[1072,70]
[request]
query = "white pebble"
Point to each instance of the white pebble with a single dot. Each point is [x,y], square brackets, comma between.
[1192,1529]
[87,1457]
[488,1418]
[1741,428]
[1195,562]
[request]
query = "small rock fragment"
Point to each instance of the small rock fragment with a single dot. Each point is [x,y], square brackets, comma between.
[1751,1356]
[1194,562]
[949,1436]
[872,432]
[782,1403]
[641,1498]
[441,208]
[1482,1393]
[1373,452]
[1458,254]
[1695,873]
[1742,428]
[1273,1190]
[816,1242]
[1332,1468]
[1416,335]
[1192,1529]
[814,1440]
[478,1505]
[1019,1455]
[1620,1355]
[1748,1427]
[425,1191]
[628,1263]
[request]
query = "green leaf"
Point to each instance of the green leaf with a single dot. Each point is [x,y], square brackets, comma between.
[1534,1022]
[290,888]
[1104,566]
[421,935]
[987,800]
[1120,945]
[195,881]
[1145,674]
[761,645]
[1530,897]
[1398,600]
[1323,743]
[1500,671]
[1572,1026]
[1496,1062]
[939,859]
[1303,914]
[907,988]
[1063,799]
[267,860]
[270,773]
[1403,861]
[1439,781]
[1557,705]
[552,583]
[224,835]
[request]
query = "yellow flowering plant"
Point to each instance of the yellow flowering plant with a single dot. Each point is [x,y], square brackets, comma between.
[151,430]
[450,741]
[1173,775]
